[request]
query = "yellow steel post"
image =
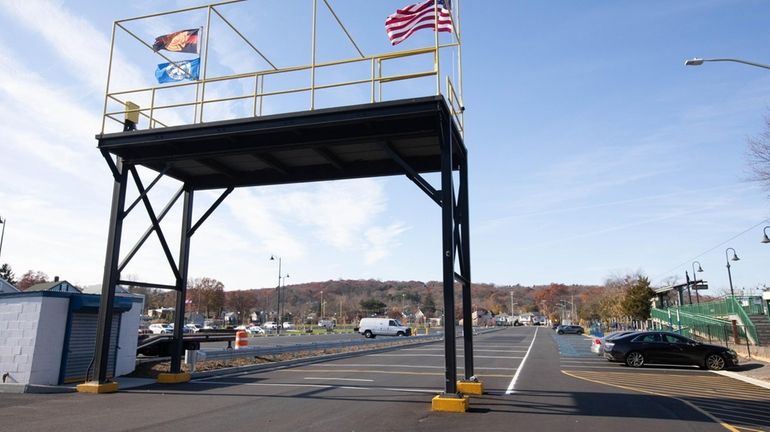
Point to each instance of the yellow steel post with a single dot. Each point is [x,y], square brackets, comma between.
[312,59]
[205,63]
[109,72]
[436,59]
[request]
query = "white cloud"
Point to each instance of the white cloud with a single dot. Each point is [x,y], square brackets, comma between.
[73,39]
[382,240]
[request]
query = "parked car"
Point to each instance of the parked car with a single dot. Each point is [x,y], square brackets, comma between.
[650,347]
[287,325]
[193,328]
[161,328]
[573,329]
[270,325]
[255,330]
[327,324]
[597,344]
[373,327]
[144,331]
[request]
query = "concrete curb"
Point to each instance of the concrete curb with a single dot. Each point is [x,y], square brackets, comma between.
[739,377]
[34,389]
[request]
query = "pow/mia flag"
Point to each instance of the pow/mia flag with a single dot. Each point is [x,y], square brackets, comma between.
[178,71]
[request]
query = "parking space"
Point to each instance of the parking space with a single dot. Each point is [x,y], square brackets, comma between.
[734,404]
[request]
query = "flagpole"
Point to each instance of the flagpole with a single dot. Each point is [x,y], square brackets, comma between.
[438,62]
[205,62]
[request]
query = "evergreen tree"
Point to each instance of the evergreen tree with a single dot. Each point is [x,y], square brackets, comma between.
[636,302]
[7,274]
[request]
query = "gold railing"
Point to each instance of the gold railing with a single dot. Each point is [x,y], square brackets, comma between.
[122,104]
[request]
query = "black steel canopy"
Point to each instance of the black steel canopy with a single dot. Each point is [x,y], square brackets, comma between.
[328,144]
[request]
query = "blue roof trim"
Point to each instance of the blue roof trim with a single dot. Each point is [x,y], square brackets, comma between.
[84,301]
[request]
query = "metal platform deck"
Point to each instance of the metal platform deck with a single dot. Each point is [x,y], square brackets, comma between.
[328,144]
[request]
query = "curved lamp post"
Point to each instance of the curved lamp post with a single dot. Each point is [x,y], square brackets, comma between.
[766,239]
[279,324]
[3,221]
[729,275]
[700,61]
[695,278]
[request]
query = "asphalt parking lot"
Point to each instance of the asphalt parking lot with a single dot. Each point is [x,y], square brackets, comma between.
[531,376]
[733,403]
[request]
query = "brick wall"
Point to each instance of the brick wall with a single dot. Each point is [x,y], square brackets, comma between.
[31,338]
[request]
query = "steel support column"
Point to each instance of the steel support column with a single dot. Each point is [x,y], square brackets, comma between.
[448,256]
[111,273]
[465,267]
[177,347]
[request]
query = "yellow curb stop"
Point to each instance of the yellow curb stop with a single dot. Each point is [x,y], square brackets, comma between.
[96,387]
[173,378]
[443,403]
[470,387]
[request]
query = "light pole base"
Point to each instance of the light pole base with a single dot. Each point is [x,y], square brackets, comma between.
[97,387]
[173,378]
[450,403]
[470,387]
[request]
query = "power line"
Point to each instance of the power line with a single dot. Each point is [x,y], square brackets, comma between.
[709,250]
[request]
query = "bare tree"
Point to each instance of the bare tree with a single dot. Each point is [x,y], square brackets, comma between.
[759,156]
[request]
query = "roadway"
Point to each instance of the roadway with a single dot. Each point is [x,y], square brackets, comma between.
[532,377]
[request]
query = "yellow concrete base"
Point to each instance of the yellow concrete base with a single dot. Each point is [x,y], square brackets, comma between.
[95,387]
[173,378]
[449,404]
[470,387]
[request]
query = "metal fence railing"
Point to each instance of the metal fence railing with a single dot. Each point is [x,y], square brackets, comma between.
[704,328]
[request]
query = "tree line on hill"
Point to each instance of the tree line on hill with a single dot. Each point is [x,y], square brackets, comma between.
[620,298]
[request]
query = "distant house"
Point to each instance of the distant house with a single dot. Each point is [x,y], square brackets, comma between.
[6,287]
[56,286]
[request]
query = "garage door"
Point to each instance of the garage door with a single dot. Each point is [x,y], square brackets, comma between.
[82,343]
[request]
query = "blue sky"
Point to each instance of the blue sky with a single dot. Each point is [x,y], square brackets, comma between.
[594,151]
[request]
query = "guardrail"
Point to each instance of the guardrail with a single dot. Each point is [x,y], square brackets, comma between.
[192,357]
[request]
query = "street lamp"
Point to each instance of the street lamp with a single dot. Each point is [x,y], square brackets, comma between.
[279,324]
[323,305]
[766,239]
[695,278]
[729,275]
[3,222]
[700,61]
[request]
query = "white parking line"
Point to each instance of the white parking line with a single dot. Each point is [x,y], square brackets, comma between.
[369,365]
[338,379]
[440,355]
[512,385]
[324,386]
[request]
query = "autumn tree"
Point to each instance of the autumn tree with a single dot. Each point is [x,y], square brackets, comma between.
[207,295]
[7,274]
[31,278]
[241,302]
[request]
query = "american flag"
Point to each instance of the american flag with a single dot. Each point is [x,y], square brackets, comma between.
[408,20]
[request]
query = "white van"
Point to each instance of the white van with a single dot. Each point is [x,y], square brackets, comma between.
[372,327]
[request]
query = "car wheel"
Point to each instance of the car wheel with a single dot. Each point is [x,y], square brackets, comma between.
[368,334]
[580,332]
[635,359]
[400,333]
[560,332]
[715,362]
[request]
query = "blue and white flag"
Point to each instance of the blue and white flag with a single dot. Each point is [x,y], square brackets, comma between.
[186,70]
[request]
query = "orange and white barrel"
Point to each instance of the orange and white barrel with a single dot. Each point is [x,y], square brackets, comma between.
[241,339]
